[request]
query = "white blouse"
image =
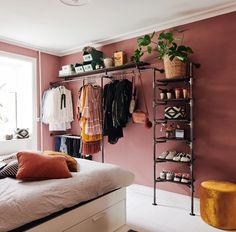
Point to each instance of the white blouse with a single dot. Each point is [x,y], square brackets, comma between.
[57,109]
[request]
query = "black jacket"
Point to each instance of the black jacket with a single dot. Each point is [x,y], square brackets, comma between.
[117,97]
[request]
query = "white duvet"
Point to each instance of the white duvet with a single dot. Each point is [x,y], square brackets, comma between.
[23,202]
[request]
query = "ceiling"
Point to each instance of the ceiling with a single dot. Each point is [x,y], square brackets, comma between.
[50,26]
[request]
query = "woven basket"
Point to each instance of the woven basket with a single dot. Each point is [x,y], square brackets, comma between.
[174,68]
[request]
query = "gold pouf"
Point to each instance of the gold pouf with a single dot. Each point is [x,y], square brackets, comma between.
[218,204]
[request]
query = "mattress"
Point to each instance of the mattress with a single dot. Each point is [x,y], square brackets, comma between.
[22,202]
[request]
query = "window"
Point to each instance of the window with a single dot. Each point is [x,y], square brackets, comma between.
[17,94]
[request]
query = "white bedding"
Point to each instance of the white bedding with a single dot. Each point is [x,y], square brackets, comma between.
[23,202]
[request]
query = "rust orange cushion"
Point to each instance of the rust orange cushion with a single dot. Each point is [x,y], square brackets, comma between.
[37,167]
[71,162]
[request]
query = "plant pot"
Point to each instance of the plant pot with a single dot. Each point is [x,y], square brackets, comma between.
[174,68]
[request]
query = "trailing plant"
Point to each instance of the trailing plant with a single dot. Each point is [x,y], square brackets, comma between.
[165,44]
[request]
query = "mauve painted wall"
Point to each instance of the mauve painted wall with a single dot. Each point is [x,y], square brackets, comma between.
[213,42]
[50,66]
[215,128]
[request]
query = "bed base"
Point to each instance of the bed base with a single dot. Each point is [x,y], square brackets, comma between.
[104,214]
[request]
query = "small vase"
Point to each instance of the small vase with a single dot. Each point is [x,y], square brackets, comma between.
[177,93]
[108,62]
[185,93]
[162,96]
[169,95]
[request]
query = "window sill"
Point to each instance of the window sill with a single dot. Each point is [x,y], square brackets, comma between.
[8,140]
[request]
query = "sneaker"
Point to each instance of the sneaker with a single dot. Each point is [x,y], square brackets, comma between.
[169,176]
[185,158]
[178,156]
[185,178]
[171,155]
[178,177]
[163,155]
[163,175]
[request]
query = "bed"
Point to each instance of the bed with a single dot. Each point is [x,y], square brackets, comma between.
[94,199]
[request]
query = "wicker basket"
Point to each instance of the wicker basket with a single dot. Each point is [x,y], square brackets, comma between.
[174,68]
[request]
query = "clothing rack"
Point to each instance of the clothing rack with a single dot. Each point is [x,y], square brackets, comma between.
[104,73]
[68,136]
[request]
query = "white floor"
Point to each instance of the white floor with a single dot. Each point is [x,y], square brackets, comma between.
[170,215]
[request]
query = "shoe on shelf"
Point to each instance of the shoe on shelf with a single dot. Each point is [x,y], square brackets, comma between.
[185,178]
[178,177]
[171,155]
[178,156]
[163,155]
[163,175]
[186,158]
[169,175]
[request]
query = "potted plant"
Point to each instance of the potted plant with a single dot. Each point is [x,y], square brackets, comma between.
[170,50]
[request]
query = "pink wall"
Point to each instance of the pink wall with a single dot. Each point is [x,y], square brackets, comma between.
[50,67]
[213,43]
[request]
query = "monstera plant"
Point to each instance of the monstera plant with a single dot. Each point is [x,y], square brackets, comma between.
[169,49]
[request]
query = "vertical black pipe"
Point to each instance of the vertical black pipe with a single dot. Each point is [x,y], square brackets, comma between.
[191,137]
[154,135]
[103,160]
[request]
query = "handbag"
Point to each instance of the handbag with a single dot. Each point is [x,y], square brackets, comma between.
[138,115]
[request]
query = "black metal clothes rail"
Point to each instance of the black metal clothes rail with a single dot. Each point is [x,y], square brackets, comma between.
[105,73]
[188,80]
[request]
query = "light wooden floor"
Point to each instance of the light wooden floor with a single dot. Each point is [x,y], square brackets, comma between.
[171,215]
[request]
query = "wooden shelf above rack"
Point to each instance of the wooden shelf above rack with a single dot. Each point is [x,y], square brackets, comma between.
[106,70]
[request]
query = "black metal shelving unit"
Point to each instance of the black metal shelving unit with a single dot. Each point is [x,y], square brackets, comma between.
[186,81]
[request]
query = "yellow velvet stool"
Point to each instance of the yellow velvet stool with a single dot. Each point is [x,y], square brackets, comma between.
[218,204]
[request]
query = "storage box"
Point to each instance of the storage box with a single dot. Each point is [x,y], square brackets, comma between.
[68,68]
[94,55]
[88,67]
[63,73]
[79,68]
[119,58]
[179,133]
[87,57]
[175,112]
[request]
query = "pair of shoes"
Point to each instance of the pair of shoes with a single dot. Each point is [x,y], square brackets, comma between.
[182,177]
[170,175]
[178,177]
[186,157]
[185,178]
[166,175]
[169,155]
[182,157]
[163,155]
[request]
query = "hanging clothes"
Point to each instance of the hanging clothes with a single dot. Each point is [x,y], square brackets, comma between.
[90,117]
[73,147]
[70,146]
[117,97]
[121,103]
[57,109]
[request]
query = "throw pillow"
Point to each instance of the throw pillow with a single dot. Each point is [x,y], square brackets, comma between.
[22,133]
[35,166]
[71,162]
[10,170]
[8,158]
